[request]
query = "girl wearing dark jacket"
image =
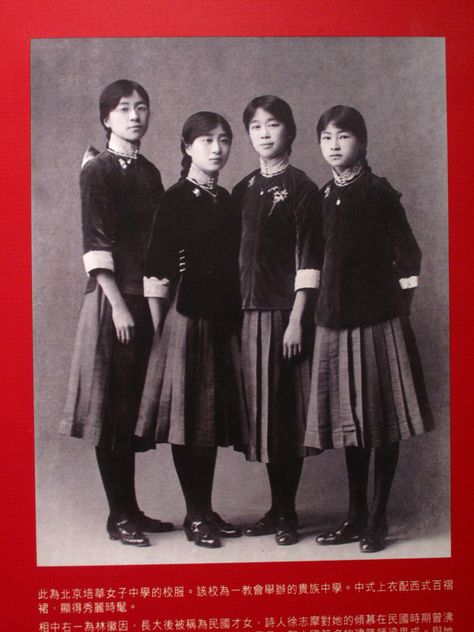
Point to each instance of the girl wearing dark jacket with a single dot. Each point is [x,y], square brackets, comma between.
[192,395]
[278,273]
[120,190]
[367,390]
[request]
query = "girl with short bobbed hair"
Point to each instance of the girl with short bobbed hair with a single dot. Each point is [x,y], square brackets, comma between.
[279,109]
[278,274]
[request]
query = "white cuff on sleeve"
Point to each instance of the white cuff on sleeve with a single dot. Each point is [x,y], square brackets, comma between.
[156,288]
[95,259]
[409,282]
[306,279]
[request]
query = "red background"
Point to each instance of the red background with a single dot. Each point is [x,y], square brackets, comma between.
[23,20]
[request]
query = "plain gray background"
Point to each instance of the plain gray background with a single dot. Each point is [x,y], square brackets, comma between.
[399,86]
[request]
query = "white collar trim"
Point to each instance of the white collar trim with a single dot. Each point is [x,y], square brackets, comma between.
[274,166]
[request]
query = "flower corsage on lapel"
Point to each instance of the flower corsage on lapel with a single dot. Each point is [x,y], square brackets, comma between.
[279,195]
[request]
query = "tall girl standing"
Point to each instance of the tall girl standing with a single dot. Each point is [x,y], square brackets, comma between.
[367,388]
[120,190]
[192,392]
[278,273]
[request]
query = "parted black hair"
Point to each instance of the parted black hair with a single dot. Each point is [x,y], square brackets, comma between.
[347,118]
[199,124]
[111,95]
[278,108]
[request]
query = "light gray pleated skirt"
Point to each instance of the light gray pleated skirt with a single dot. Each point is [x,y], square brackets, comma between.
[367,387]
[193,388]
[106,377]
[276,390]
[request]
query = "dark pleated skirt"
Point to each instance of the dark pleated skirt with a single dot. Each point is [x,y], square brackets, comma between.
[107,377]
[193,389]
[276,390]
[367,387]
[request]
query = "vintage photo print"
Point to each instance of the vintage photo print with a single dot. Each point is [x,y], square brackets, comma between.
[398,85]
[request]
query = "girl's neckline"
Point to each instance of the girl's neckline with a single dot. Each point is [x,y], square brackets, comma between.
[349,175]
[132,153]
[274,166]
[125,160]
[199,177]
[203,180]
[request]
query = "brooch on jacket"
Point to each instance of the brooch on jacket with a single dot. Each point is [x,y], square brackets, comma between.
[279,195]
[197,192]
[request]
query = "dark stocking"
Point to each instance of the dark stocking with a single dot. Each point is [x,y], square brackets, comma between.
[117,470]
[385,464]
[357,463]
[284,476]
[129,482]
[195,467]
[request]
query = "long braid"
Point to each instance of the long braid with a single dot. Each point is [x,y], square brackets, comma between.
[185,165]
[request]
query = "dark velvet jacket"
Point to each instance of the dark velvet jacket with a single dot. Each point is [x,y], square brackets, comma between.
[118,207]
[367,247]
[195,244]
[277,216]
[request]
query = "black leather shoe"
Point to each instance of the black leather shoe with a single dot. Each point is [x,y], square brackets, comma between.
[151,525]
[222,528]
[265,526]
[373,539]
[347,532]
[127,532]
[201,533]
[286,531]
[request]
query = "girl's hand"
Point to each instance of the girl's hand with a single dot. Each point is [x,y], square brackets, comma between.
[123,320]
[124,324]
[293,340]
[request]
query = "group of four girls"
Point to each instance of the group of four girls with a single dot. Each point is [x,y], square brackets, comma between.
[194,328]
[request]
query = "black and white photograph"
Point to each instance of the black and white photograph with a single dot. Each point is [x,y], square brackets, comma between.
[240,299]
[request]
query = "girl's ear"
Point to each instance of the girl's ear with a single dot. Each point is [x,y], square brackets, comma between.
[186,149]
[106,122]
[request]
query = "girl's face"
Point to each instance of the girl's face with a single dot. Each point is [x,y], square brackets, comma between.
[129,120]
[340,148]
[268,135]
[210,152]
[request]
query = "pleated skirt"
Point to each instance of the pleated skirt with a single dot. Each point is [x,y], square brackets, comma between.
[367,387]
[193,388]
[276,390]
[106,377]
